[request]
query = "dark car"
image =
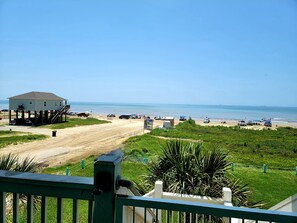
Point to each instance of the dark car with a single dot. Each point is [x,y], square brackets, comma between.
[111,115]
[267,123]
[83,114]
[124,116]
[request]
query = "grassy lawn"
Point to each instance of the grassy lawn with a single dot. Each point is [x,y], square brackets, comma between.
[73,122]
[13,137]
[267,187]
[130,170]
[270,187]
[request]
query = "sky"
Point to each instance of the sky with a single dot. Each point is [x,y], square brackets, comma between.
[213,52]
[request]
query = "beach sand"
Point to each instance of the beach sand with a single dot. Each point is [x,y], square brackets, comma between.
[74,144]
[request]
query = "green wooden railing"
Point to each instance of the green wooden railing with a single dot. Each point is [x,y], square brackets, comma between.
[43,185]
[192,212]
[105,206]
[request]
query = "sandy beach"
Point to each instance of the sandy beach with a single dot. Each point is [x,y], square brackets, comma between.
[74,144]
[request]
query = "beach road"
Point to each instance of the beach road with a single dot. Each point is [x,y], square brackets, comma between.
[74,144]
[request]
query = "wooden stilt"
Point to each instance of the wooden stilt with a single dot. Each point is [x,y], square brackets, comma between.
[9,114]
[35,117]
[41,117]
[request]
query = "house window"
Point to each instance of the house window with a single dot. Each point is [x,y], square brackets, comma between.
[60,103]
[55,103]
[44,103]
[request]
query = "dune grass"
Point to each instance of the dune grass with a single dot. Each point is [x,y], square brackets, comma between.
[13,138]
[74,122]
[276,148]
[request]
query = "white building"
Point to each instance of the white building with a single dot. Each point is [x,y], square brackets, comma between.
[38,108]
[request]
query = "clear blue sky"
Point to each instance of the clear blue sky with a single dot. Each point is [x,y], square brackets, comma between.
[231,52]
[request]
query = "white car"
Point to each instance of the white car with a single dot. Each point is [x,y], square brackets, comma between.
[206,120]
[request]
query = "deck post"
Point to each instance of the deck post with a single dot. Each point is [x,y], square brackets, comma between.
[159,194]
[227,198]
[107,169]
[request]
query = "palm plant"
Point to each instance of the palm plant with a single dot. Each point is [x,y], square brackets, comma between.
[188,168]
[14,163]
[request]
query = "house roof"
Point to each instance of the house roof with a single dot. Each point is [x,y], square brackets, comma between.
[35,95]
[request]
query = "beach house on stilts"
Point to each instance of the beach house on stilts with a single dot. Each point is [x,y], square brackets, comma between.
[37,108]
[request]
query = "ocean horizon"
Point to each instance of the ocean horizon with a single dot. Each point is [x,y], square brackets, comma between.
[224,112]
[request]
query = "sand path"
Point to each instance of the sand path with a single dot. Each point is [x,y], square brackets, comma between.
[73,144]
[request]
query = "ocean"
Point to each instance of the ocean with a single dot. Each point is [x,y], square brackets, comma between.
[222,112]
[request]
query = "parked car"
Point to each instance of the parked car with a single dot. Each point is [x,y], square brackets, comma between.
[72,113]
[268,123]
[83,114]
[111,115]
[241,123]
[28,122]
[135,116]
[157,117]
[206,120]
[250,122]
[253,122]
[124,116]
[183,118]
